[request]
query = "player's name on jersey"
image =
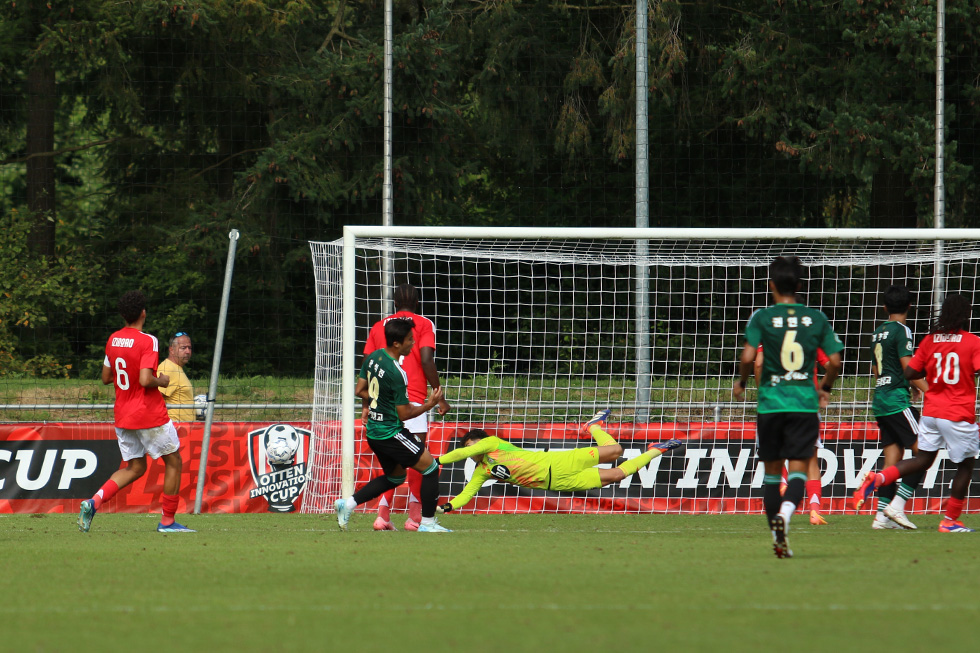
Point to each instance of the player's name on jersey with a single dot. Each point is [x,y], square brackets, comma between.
[947,337]
[376,367]
[792,322]
[122,342]
[789,376]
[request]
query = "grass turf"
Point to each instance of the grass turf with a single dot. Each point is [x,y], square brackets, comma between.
[501,583]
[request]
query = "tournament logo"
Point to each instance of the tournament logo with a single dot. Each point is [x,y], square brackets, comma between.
[278,456]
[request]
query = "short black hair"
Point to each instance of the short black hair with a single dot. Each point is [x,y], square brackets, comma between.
[472,434]
[406,297]
[787,273]
[896,299]
[131,305]
[397,329]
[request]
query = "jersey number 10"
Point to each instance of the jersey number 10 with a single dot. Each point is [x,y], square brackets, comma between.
[951,373]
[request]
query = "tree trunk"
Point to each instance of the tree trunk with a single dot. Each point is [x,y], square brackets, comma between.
[41,104]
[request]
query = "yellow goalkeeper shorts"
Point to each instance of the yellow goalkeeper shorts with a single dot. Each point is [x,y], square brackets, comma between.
[575,470]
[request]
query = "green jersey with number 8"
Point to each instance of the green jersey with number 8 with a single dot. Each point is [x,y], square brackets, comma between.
[388,389]
[794,332]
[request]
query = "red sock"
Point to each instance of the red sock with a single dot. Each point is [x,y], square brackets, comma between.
[954,508]
[813,491]
[106,492]
[890,475]
[169,504]
[415,490]
[384,506]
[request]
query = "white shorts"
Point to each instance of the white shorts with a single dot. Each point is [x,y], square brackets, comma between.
[418,424]
[959,438]
[157,441]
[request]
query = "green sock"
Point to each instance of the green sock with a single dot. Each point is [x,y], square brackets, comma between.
[601,437]
[633,464]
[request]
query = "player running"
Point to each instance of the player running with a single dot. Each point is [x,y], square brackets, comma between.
[420,370]
[140,415]
[948,358]
[787,424]
[383,387]
[498,459]
[898,420]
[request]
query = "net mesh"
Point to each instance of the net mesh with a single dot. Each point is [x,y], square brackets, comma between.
[535,336]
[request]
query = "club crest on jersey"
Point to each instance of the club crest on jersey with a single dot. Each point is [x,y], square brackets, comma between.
[278,457]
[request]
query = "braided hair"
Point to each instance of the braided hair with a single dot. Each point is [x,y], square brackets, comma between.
[953,316]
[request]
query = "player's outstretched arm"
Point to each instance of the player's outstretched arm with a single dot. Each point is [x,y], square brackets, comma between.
[486,445]
[469,491]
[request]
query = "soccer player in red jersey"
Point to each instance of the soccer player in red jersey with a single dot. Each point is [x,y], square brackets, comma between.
[140,414]
[420,368]
[948,358]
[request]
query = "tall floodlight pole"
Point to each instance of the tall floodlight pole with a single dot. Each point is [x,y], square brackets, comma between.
[642,326]
[939,219]
[387,193]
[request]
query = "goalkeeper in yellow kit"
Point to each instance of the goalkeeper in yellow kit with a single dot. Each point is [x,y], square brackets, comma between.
[546,470]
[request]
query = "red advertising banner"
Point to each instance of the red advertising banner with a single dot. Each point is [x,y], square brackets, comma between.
[263,467]
[52,467]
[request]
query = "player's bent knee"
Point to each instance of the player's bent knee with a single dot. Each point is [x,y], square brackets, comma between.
[395,480]
[431,469]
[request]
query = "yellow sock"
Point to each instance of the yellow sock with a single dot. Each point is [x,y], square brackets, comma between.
[633,464]
[601,437]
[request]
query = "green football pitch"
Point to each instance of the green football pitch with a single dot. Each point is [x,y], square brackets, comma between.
[537,583]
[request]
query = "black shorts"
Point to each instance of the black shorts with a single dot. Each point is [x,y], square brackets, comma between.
[404,449]
[787,436]
[900,428]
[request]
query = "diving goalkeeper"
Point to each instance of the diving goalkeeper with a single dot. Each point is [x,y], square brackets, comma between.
[546,470]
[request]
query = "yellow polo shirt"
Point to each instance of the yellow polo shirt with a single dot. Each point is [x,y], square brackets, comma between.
[180,391]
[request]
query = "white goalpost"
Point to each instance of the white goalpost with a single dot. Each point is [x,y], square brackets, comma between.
[536,329]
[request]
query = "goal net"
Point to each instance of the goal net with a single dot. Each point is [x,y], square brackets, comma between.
[537,329]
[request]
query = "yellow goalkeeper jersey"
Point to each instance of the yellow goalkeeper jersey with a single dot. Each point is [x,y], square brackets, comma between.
[502,461]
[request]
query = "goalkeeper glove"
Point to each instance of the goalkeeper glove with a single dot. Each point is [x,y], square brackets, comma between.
[444,508]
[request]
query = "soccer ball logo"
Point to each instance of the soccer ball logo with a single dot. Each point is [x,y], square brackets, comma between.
[281,444]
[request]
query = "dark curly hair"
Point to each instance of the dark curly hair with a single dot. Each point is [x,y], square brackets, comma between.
[131,305]
[954,315]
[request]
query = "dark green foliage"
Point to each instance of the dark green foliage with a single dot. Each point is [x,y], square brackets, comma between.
[175,123]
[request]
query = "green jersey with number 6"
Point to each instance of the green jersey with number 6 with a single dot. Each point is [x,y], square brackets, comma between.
[388,389]
[890,342]
[790,335]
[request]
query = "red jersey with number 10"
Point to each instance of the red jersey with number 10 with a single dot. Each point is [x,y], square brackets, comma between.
[127,352]
[950,361]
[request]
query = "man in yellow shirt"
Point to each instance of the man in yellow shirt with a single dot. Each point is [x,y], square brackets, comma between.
[180,390]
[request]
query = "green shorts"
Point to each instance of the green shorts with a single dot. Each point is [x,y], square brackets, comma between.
[575,470]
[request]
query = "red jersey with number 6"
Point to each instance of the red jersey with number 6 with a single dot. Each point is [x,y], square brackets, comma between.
[950,361]
[127,352]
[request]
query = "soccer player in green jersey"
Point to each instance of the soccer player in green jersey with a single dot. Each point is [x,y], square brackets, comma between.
[787,424]
[891,349]
[575,469]
[383,387]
